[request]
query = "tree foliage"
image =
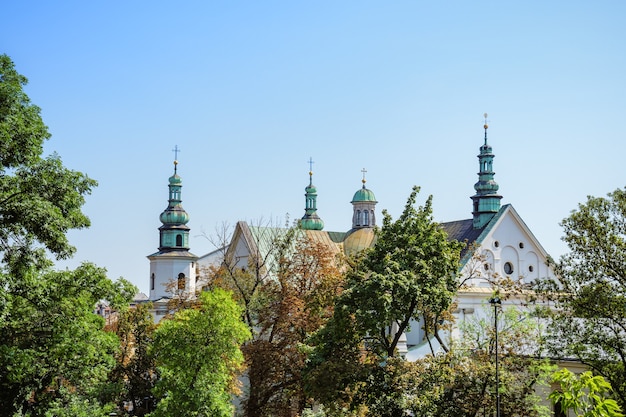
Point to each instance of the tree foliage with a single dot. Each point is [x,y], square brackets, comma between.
[408,276]
[55,356]
[40,199]
[135,374]
[585,394]
[198,357]
[53,349]
[590,291]
[296,303]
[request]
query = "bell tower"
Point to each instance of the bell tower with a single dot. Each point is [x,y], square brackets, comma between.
[173,267]
[486,200]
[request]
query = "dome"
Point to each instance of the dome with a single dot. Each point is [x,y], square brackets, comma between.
[174,216]
[311,223]
[175,180]
[357,240]
[364,195]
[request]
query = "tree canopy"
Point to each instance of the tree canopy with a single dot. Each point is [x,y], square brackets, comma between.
[407,277]
[589,322]
[40,199]
[198,356]
[54,353]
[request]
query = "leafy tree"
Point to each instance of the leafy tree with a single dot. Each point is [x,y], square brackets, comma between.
[589,321]
[40,199]
[408,276]
[469,368]
[54,355]
[134,375]
[296,303]
[53,349]
[586,395]
[198,357]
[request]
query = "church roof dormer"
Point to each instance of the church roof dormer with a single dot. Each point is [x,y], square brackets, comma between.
[311,220]
[486,200]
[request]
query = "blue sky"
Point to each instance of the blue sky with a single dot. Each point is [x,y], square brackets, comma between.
[250,90]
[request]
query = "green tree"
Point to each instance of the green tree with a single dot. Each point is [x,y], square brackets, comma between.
[54,354]
[40,199]
[408,276]
[589,321]
[198,356]
[586,395]
[53,349]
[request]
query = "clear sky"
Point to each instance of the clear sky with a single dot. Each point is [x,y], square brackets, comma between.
[249,90]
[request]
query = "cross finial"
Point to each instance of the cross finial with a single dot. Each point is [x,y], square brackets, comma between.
[363,180]
[486,126]
[175,150]
[310,161]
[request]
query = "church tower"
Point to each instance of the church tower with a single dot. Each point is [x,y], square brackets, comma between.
[310,220]
[363,204]
[486,200]
[173,267]
[361,236]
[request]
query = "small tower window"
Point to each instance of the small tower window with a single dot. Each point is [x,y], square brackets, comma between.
[358,217]
[508,268]
[152,282]
[366,221]
[179,240]
[181,281]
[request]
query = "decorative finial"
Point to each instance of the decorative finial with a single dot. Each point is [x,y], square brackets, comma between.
[310,161]
[486,126]
[363,180]
[175,150]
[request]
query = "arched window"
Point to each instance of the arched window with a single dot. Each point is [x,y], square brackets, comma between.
[358,217]
[366,219]
[181,281]
[152,282]
[179,240]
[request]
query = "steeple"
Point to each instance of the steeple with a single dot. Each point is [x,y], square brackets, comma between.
[174,233]
[486,200]
[310,220]
[363,204]
[173,267]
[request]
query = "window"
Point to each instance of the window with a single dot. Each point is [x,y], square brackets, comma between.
[179,240]
[508,268]
[521,245]
[181,281]
[531,268]
[152,282]
[496,244]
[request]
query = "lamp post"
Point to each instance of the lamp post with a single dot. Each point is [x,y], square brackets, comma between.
[495,301]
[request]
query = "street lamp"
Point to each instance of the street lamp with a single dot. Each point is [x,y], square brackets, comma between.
[495,301]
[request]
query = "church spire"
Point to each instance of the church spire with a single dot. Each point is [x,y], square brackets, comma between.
[174,233]
[486,200]
[310,220]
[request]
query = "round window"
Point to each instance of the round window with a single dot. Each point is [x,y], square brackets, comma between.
[496,244]
[508,268]
[531,268]
[521,245]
